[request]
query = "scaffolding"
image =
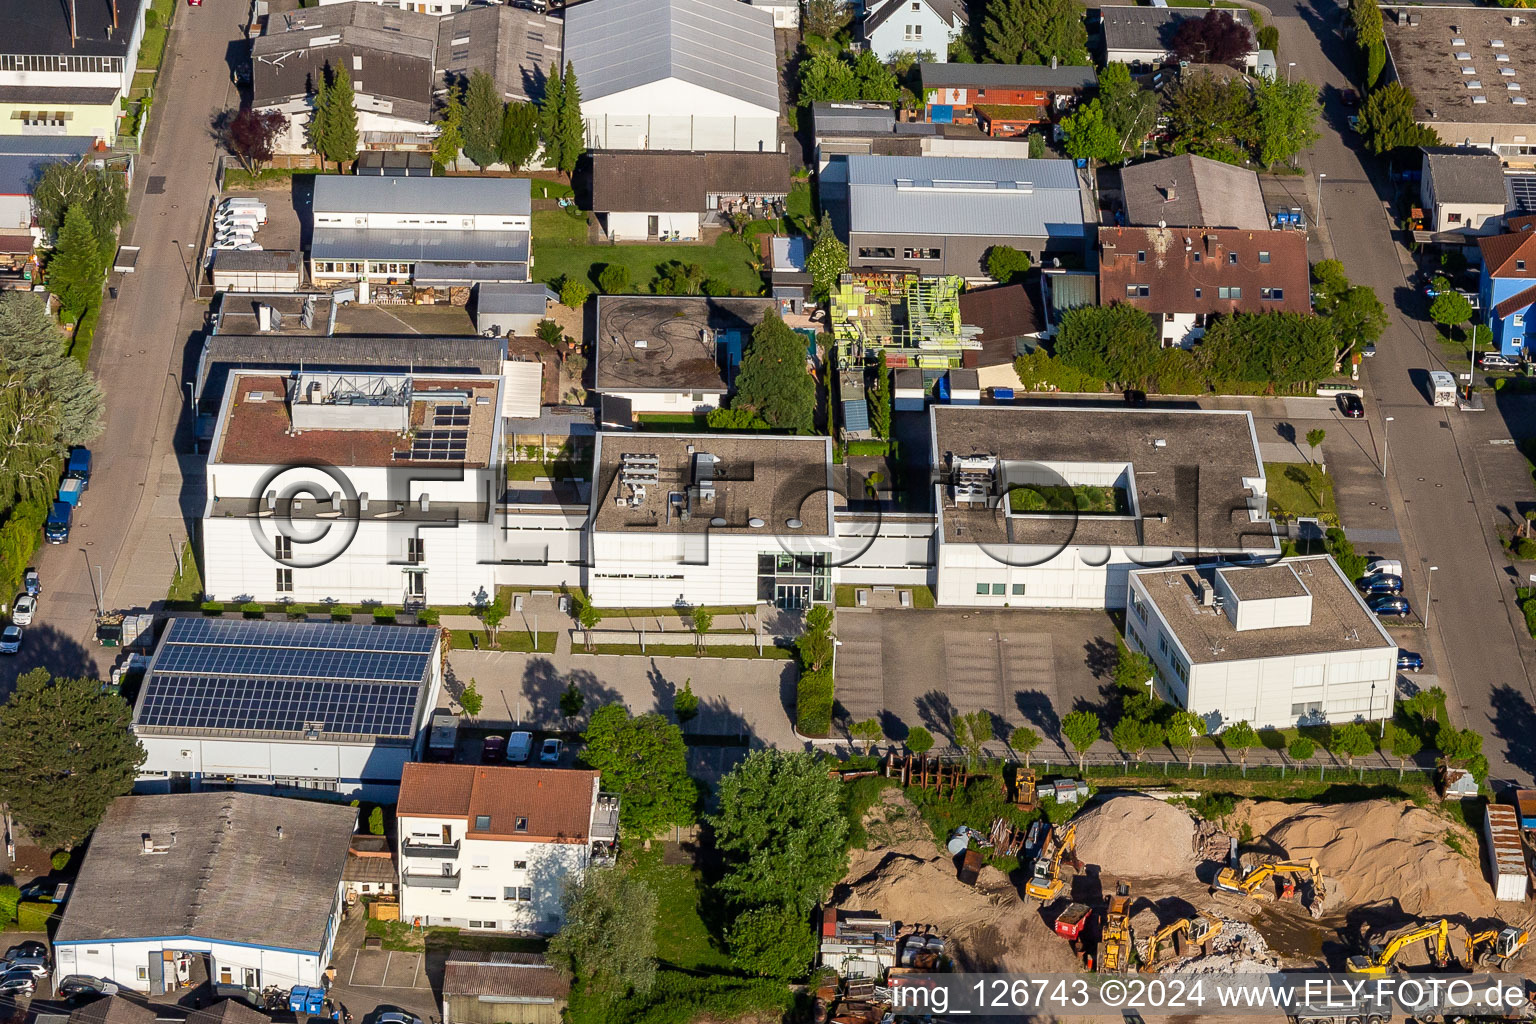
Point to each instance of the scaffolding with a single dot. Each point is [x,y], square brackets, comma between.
[913,320]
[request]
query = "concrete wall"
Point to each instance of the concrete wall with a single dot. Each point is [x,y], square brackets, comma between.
[127,962]
[541,550]
[633,227]
[359,770]
[669,401]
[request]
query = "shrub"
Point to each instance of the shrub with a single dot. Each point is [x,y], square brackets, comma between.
[1301,749]
[384,616]
[573,292]
[60,860]
[813,703]
[298,612]
[340,613]
[151,18]
[253,609]
[213,607]
[1523,548]
[429,616]
[10,895]
[614,279]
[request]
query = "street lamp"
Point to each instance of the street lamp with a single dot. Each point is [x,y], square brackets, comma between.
[1384,428]
[1320,179]
[1288,68]
[1429,589]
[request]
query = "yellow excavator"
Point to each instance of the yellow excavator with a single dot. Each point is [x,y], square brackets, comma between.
[1496,946]
[1380,959]
[1115,941]
[1198,930]
[1046,883]
[1253,883]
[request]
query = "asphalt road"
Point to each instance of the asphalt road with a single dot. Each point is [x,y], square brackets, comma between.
[117,544]
[1446,506]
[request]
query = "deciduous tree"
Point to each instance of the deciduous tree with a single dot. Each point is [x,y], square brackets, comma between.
[867,732]
[252,135]
[1301,749]
[101,193]
[644,761]
[1086,134]
[826,18]
[919,740]
[1287,119]
[1314,438]
[1352,740]
[1215,38]
[1135,735]
[1024,740]
[685,703]
[1240,737]
[703,621]
[781,831]
[65,753]
[1184,731]
[773,380]
[1450,308]
[29,464]
[1005,263]
[824,77]
[971,731]
[828,260]
[1081,728]
[1129,110]
[572,700]
[470,699]
[1403,743]
[816,644]
[608,942]
[772,942]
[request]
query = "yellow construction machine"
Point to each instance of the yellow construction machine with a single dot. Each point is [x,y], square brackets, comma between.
[1198,931]
[1046,884]
[1253,883]
[1115,942]
[1381,958]
[1496,947]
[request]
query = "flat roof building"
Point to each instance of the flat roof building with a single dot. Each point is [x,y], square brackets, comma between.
[1275,645]
[249,884]
[285,706]
[1030,498]
[669,354]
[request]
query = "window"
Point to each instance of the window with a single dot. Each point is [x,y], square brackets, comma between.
[1167,318]
[482,823]
[1263,257]
[1519,264]
[877,252]
[283,548]
[482,897]
[1141,255]
[285,581]
[999,589]
[1272,293]
[1018,590]
[518,894]
[1517,320]
[982,588]
[1517,341]
[1311,707]
[1197,257]
[480,867]
[1454,218]
[415,550]
[920,254]
[522,825]
[482,924]
[1232,259]
[915,32]
[141,972]
[1133,291]
[1229,293]
[519,865]
[1197,293]
[1139,607]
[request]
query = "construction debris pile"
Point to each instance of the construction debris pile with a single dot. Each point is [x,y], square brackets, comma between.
[1237,949]
[1138,837]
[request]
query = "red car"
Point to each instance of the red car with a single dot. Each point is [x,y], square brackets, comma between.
[194,3]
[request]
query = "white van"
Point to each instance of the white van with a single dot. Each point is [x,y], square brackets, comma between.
[255,206]
[238,217]
[1384,567]
[1442,388]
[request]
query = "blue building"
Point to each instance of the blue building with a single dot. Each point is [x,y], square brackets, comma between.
[1508,287]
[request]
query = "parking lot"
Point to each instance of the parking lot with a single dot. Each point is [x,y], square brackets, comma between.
[1026,667]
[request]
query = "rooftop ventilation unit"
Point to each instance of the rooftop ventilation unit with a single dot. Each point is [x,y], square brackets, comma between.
[1474,84]
[704,475]
[1458,41]
[974,475]
[635,472]
[1468,69]
[1497,44]
[1464,55]
[1479,99]
[1518,101]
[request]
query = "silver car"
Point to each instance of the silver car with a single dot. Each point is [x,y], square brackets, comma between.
[23,610]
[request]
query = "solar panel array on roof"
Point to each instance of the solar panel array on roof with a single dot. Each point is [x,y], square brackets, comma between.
[440,445]
[297,677]
[1523,186]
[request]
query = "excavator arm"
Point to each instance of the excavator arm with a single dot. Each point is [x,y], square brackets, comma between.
[1437,934]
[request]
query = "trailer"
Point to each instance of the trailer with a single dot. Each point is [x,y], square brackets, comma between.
[71,491]
[443,737]
[1501,829]
[1071,921]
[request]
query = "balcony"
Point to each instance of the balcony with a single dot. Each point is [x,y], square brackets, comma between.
[425,881]
[442,851]
[605,818]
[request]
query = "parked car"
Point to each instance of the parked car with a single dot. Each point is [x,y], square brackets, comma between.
[1495,361]
[1370,586]
[1369,352]
[1350,98]
[34,965]
[1387,604]
[44,890]
[23,610]
[493,749]
[10,639]
[1350,406]
[1408,661]
[1387,566]
[32,582]
[33,948]
[1354,122]
[17,983]
[396,1017]
[550,752]
[519,747]
[75,986]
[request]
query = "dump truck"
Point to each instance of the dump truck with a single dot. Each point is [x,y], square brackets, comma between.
[1071,921]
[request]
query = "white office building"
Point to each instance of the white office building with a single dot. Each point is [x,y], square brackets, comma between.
[1053,506]
[1277,645]
[353,487]
[493,846]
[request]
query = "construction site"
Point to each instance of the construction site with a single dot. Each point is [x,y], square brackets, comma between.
[910,319]
[1136,882]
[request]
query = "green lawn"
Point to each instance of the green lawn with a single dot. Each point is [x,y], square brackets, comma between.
[508,638]
[549,188]
[560,249]
[401,937]
[682,938]
[1108,501]
[1299,489]
[719,611]
[672,421]
[530,470]
[186,585]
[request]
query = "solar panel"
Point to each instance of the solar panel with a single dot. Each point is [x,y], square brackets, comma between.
[1523,187]
[440,445]
[339,636]
[221,702]
[292,663]
[450,416]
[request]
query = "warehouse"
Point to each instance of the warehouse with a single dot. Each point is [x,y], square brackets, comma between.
[263,270]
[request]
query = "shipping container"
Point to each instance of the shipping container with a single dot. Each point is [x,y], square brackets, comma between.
[1501,829]
[1525,803]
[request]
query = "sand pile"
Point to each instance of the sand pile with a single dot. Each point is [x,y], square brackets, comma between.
[1379,851]
[909,878]
[1137,837]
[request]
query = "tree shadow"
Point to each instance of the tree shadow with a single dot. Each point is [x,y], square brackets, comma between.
[935,710]
[1101,656]
[1287,432]
[43,646]
[1038,711]
[1514,722]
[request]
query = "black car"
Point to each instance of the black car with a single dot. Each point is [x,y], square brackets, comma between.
[33,948]
[1350,406]
[1409,661]
[84,986]
[1389,605]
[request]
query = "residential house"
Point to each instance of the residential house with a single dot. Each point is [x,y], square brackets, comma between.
[370,869]
[67,66]
[697,75]
[1189,191]
[1002,99]
[1279,645]
[246,890]
[1156,485]
[1507,288]
[411,233]
[1143,36]
[400,61]
[1469,69]
[671,354]
[502,988]
[1186,276]
[940,215]
[1463,191]
[492,847]
[893,27]
[285,707]
[640,196]
[419,6]
[404,469]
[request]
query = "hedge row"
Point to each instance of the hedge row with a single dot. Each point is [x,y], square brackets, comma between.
[813,703]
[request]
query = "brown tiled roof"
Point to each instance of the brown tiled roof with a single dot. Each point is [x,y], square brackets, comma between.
[1179,261]
[557,802]
[229,1011]
[1501,251]
[1516,302]
[1004,314]
[112,1010]
[502,974]
[670,182]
